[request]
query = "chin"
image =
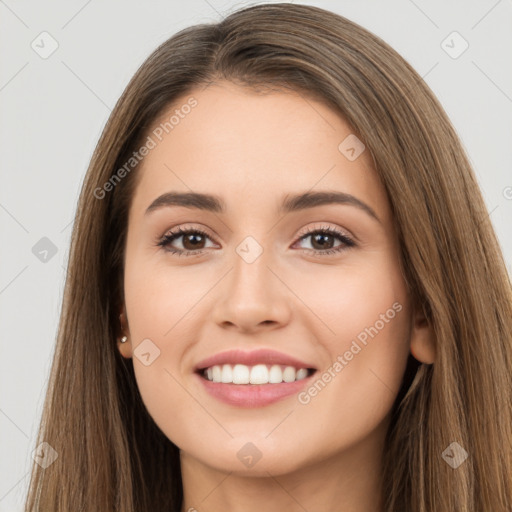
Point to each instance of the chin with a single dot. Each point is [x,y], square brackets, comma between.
[252,456]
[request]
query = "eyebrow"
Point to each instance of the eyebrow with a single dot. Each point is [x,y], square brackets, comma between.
[291,203]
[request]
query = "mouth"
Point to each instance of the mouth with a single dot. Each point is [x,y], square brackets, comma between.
[259,374]
[253,379]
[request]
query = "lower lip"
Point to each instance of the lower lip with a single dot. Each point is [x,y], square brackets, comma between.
[253,395]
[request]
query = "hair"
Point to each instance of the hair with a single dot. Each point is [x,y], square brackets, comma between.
[111,454]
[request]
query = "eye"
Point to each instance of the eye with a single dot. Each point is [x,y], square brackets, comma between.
[322,240]
[193,240]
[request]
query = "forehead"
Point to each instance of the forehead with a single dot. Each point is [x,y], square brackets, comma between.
[252,147]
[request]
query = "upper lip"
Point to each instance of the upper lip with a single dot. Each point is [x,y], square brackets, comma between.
[250,358]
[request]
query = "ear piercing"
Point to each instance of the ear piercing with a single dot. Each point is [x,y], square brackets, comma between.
[124,339]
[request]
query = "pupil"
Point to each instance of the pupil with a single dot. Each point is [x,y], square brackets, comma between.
[189,238]
[319,238]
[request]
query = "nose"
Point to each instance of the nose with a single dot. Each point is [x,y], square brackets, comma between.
[252,297]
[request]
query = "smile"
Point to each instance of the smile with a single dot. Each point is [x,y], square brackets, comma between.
[258,374]
[253,379]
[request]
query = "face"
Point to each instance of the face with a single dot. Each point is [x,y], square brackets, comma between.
[259,284]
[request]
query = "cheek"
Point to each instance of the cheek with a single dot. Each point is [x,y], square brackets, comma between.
[368,316]
[160,308]
[156,297]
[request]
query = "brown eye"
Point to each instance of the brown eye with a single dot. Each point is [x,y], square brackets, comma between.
[323,240]
[192,240]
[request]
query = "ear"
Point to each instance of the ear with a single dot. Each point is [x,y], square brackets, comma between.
[423,346]
[124,348]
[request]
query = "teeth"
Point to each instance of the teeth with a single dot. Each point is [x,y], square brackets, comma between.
[301,374]
[240,374]
[289,374]
[275,375]
[216,374]
[227,374]
[258,374]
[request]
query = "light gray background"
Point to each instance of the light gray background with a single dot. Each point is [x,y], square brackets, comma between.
[53,110]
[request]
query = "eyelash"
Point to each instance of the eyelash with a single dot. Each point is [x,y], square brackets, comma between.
[167,239]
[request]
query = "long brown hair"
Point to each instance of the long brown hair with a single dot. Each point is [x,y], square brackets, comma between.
[113,457]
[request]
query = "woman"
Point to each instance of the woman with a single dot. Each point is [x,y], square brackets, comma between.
[283,289]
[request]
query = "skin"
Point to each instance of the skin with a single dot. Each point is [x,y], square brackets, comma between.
[252,150]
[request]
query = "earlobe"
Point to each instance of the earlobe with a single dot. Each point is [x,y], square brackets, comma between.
[423,346]
[123,342]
